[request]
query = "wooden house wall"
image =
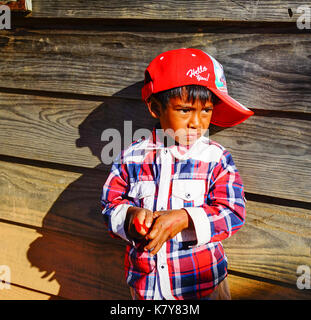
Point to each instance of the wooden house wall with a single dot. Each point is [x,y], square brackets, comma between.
[72,69]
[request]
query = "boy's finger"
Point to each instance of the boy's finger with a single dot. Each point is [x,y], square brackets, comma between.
[153,233]
[139,221]
[155,214]
[158,213]
[148,219]
[141,216]
[156,248]
[156,242]
[139,226]
[153,241]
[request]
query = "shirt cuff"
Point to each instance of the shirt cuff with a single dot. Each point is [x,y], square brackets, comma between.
[201,224]
[117,220]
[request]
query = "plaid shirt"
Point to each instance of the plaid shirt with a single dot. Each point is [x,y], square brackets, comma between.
[202,179]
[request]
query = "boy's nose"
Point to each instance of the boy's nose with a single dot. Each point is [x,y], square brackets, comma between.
[194,121]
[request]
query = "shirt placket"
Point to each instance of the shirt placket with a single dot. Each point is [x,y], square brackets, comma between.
[164,188]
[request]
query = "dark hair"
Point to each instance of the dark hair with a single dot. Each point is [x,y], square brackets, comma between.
[193,92]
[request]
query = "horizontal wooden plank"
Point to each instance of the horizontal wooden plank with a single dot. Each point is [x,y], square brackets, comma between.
[274,241]
[264,71]
[21,293]
[66,267]
[62,265]
[171,10]
[272,155]
[64,131]
[268,151]
[250,289]
[240,288]
[53,199]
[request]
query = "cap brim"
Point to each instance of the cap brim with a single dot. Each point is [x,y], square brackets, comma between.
[228,112]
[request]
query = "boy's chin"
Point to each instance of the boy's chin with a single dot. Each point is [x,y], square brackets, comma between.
[188,141]
[183,138]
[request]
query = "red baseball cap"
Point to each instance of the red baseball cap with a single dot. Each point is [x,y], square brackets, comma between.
[177,68]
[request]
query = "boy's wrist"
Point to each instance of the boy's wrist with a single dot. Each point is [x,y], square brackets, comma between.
[184,219]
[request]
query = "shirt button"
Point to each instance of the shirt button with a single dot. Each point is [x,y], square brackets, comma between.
[188,195]
[162,267]
[162,208]
[165,151]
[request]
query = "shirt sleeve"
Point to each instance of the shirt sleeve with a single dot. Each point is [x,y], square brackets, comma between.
[223,211]
[115,202]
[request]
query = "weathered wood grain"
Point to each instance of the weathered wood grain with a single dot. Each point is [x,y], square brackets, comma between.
[53,199]
[274,241]
[66,131]
[171,10]
[63,265]
[73,269]
[241,289]
[20,293]
[264,71]
[272,153]
[52,233]
[250,289]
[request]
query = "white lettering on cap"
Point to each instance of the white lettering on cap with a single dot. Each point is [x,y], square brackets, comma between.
[195,72]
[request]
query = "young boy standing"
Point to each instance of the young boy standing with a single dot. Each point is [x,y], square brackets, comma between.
[174,202]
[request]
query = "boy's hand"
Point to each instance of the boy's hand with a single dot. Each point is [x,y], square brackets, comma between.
[166,226]
[138,221]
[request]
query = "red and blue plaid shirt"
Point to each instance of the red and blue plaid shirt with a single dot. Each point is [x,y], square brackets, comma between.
[202,179]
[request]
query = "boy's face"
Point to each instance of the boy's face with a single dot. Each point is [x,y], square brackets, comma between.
[188,121]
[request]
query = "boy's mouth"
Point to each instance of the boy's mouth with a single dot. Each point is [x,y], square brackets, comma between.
[192,137]
[186,137]
[194,134]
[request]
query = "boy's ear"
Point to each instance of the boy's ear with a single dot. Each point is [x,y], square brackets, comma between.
[154,108]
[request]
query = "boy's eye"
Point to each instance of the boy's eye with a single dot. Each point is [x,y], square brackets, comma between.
[207,110]
[184,110]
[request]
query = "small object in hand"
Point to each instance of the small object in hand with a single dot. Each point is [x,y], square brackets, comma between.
[140,226]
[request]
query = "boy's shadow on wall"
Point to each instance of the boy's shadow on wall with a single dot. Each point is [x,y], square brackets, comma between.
[74,247]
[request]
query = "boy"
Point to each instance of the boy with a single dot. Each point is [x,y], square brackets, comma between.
[174,202]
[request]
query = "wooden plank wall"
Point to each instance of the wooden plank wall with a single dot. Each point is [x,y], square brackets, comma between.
[74,68]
